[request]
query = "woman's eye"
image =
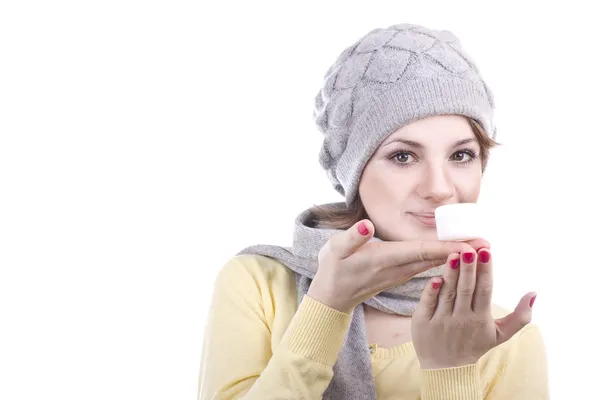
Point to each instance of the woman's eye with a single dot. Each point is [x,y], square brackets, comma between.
[403,157]
[461,156]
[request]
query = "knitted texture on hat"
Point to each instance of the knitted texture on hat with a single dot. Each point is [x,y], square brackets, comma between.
[387,79]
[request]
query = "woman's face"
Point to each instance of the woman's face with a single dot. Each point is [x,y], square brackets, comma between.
[425,164]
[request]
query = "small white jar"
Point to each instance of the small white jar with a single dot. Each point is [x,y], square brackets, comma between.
[458,222]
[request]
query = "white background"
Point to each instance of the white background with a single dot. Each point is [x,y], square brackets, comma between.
[144,143]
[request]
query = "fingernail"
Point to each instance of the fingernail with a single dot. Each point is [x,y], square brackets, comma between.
[362,229]
[532,301]
[436,285]
[468,257]
[454,263]
[484,256]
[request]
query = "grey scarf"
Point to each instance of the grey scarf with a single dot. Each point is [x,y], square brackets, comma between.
[352,372]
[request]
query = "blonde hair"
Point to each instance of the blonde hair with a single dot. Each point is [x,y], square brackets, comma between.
[331,217]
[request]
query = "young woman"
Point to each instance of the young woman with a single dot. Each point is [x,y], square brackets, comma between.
[367,303]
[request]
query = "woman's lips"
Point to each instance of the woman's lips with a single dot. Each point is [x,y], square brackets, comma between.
[427,219]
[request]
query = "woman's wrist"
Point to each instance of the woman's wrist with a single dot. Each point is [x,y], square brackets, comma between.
[330,299]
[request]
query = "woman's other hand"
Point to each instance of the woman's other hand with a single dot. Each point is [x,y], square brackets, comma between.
[453,324]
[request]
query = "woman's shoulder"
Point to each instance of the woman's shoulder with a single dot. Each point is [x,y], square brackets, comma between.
[256,266]
[256,272]
[259,284]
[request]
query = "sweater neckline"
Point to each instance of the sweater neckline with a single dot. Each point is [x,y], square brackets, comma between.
[402,350]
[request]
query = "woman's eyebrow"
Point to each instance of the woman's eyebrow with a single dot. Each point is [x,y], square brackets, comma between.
[418,145]
[463,142]
[410,143]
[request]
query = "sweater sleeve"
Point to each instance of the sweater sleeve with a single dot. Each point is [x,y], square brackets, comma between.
[519,372]
[238,361]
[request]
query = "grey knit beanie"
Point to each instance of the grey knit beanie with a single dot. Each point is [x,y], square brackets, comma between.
[385,80]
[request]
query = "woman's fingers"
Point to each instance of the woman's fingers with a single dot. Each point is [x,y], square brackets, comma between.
[479,243]
[482,298]
[429,299]
[465,288]
[447,295]
[393,254]
[402,273]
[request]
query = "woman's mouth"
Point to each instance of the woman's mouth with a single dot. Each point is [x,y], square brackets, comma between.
[427,219]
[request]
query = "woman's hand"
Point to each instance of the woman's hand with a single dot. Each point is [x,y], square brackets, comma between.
[453,324]
[352,269]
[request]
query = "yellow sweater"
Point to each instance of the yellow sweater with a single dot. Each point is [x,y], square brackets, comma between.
[259,344]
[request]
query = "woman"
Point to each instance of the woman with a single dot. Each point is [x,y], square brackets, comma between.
[359,307]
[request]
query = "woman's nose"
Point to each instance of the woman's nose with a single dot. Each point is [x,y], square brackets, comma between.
[436,184]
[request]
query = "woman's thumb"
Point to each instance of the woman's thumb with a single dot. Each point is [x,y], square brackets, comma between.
[508,326]
[345,243]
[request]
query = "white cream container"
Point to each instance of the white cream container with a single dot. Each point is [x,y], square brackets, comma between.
[458,222]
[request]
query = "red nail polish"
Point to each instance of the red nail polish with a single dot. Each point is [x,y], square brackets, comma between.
[362,229]
[484,256]
[436,285]
[454,263]
[468,257]
[532,301]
